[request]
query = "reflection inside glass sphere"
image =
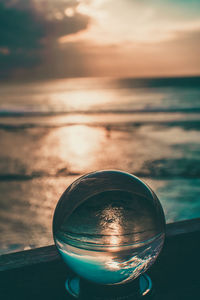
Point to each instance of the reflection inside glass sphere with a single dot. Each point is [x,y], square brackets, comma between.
[109,227]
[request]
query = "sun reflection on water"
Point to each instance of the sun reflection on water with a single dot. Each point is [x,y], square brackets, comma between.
[78,145]
[111,224]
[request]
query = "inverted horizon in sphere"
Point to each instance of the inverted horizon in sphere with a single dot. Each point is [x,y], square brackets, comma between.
[109,227]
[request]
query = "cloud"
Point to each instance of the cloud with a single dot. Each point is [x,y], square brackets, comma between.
[27,32]
[139,38]
[66,38]
[177,57]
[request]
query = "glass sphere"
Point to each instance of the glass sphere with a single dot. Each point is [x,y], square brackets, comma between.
[109,227]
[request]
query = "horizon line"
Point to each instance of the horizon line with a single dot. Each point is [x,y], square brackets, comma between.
[52,78]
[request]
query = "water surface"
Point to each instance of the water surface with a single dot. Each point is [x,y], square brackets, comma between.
[52,132]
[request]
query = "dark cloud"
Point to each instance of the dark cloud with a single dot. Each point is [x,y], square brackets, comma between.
[20,35]
[70,60]
[28,33]
[57,28]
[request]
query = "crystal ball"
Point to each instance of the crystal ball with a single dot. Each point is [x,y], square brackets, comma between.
[109,227]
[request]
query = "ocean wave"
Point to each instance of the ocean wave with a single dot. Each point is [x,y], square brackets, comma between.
[122,126]
[169,168]
[28,113]
[24,177]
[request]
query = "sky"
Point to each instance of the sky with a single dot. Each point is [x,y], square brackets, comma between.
[83,38]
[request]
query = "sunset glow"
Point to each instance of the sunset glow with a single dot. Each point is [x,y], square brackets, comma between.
[137,24]
[85,38]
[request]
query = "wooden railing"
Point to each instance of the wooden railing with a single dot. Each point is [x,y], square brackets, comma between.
[40,273]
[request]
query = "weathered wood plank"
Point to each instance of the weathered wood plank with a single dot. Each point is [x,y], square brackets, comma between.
[183,227]
[49,253]
[28,258]
[40,273]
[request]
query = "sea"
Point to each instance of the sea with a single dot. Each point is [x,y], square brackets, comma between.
[53,131]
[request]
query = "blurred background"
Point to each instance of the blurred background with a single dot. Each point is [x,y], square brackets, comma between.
[96,84]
